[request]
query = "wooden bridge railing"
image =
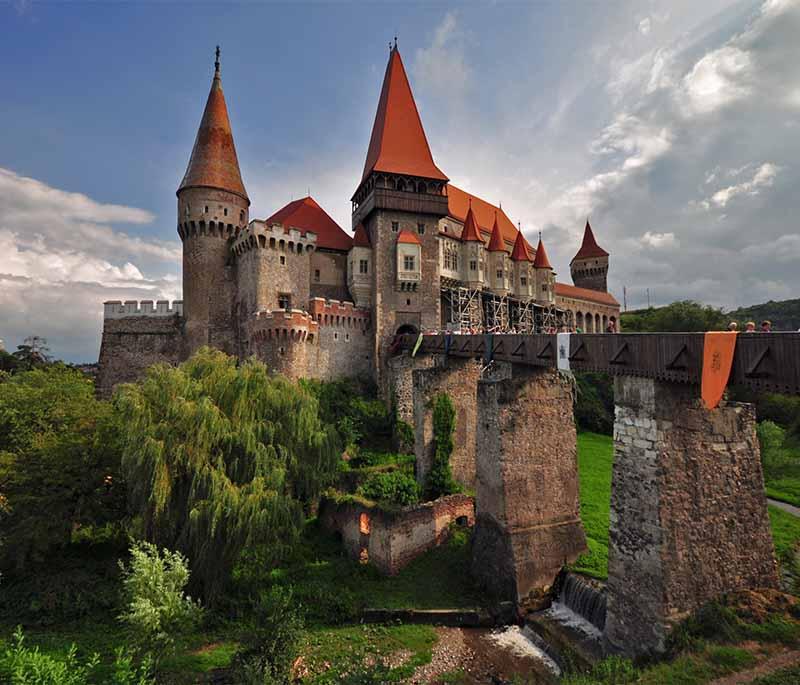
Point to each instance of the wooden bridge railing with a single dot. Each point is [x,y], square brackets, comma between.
[763,361]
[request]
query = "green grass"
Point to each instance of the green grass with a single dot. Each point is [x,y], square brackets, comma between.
[781,677]
[595,461]
[331,653]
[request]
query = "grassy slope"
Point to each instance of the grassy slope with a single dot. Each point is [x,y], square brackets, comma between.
[595,459]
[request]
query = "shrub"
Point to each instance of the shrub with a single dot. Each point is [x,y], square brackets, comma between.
[440,478]
[594,403]
[393,487]
[21,665]
[157,610]
[404,435]
[271,639]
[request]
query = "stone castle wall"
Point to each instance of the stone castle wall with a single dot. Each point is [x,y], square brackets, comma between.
[688,512]
[136,336]
[390,540]
[331,281]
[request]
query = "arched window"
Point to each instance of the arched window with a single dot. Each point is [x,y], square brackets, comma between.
[401,184]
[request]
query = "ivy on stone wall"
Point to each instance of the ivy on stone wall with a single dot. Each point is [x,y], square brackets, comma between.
[440,480]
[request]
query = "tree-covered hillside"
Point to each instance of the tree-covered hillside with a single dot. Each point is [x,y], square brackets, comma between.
[785,315]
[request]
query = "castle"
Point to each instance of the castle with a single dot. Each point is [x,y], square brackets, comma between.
[301,294]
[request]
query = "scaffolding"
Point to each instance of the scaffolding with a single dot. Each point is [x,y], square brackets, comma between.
[495,313]
[523,316]
[464,307]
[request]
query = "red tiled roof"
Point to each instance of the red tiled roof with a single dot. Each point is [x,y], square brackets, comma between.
[521,252]
[458,203]
[496,242]
[360,237]
[471,233]
[566,290]
[408,237]
[541,261]
[213,163]
[589,247]
[307,215]
[398,143]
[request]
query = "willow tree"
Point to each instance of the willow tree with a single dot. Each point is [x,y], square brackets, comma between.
[221,459]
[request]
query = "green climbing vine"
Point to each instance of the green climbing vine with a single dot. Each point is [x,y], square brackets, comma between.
[440,479]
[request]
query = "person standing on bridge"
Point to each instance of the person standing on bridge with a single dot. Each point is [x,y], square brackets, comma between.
[750,327]
[766,326]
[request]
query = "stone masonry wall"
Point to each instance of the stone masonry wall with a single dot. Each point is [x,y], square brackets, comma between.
[458,378]
[398,383]
[527,506]
[688,511]
[395,538]
[131,344]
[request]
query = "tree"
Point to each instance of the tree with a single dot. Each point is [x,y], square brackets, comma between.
[59,462]
[222,459]
[685,316]
[440,478]
[33,353]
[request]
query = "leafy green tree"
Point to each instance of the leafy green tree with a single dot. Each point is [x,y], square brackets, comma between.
[221,459]
[33,353]
[392,487]
[270,639]
[156,608]
[684,316]
[440,478]
[59,462]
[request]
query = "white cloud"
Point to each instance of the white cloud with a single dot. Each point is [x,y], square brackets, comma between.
[442,67]
[59,261]
[644,26]
[764,177]
[719,78]
[650,239]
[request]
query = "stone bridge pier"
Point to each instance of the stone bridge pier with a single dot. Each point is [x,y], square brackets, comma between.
[527,506]
[688,513]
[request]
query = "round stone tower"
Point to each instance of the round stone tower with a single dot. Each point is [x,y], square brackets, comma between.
[212,208]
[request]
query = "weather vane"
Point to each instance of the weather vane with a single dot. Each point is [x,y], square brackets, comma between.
[216,62]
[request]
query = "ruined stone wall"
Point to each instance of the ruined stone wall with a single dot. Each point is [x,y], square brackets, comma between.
[132,343]
[329,275]
[397,389]
[394,538]
[688,511]
[527,505]
[458,378]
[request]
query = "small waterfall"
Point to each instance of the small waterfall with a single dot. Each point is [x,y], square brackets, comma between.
[583,599]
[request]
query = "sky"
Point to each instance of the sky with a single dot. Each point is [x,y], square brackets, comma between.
[673,126]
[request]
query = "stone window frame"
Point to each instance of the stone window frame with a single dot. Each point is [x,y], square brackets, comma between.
[363,266]
[473,264]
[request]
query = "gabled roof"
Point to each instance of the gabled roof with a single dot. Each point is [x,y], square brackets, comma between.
[398,143]
[573,291]
[408,237]
[307,215]
[471,233]
[213,163]
[496,242]
[589,247]
[541,261]
[459,202]
[360,237]
[521,253]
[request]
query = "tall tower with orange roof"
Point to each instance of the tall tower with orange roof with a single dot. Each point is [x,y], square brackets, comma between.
[589,266]
[212,208]
[399,201]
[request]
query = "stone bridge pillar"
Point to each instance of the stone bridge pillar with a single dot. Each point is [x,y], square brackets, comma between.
[397,390]
[688,511]
[527,508]
[458,378]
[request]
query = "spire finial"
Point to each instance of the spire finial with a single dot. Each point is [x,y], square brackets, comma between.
[395,42]
[540,236]
[216,61]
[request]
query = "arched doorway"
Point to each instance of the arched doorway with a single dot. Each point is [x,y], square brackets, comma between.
[407,329]
[579,321]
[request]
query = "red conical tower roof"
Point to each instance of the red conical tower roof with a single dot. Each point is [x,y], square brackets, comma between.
[398,143]
[541,261]
[521,253]
[589,246]
[471,232]
[213,163]
[360,237]
[496,242]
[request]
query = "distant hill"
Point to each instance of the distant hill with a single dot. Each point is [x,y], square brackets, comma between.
[694,316]
[785,315]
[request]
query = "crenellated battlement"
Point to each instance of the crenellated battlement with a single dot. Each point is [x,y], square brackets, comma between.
[336,313]
[283,324]
[258,234]
[115,309]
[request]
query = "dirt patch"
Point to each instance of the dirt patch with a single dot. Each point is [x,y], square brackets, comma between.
[758,606]
[783,659]
[205,649]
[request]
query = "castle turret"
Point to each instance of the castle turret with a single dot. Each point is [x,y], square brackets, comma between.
[401,191]
[212,207]
[359,268]
[474,247]
[544,276]
[522,264]
[589,266]
[499,278]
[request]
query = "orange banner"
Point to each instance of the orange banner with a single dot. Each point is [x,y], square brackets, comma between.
[718,349]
